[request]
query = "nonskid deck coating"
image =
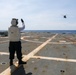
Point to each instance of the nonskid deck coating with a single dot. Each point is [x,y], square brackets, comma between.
[37,66]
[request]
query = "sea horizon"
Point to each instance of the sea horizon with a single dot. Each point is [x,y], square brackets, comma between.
[52,31]
[48,31]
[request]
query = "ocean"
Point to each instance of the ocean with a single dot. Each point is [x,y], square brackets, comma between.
[53,31]
[5,32]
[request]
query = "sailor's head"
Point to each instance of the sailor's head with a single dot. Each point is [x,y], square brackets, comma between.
[14,21]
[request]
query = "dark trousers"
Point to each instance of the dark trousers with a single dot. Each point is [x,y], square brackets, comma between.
[15,47]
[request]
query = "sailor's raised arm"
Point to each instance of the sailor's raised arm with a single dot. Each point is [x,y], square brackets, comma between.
[23,25]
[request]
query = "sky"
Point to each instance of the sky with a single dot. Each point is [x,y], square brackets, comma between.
[39,14]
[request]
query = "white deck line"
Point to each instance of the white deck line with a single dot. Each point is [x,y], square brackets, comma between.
[32,41]
[4,53]
[62,43]
[4,41]
[46,58]
[50,42]
[41,46]
[55,59]
[11,69]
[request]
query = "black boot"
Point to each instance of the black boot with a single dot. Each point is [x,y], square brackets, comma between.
[22,62]
[11,62]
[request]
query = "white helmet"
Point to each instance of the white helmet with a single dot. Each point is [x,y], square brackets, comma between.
[14,21]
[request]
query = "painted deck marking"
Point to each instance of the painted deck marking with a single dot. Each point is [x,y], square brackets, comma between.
[55,59]
[11,69]
[46,58]
[4,41]
[4,53]
[39,48]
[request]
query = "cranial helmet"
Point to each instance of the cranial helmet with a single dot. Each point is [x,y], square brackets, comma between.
[14,21]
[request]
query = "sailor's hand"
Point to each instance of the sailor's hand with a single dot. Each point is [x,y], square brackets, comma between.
[22,20]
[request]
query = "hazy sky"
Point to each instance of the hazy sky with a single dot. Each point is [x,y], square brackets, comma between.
[39,14]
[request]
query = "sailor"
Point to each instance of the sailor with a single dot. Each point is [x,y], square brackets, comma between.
[15,41]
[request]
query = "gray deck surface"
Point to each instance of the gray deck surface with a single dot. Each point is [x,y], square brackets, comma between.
[48,61]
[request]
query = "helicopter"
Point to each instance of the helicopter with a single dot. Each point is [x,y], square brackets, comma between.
[64,16]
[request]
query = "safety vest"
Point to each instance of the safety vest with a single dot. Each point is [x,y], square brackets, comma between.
[14,34]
